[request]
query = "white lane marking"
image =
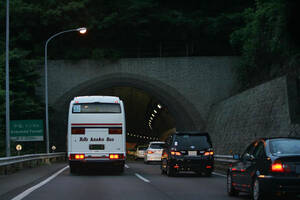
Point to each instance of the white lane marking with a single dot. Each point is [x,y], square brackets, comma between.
[126,166]
[218,174]
[142,178]
[28,191]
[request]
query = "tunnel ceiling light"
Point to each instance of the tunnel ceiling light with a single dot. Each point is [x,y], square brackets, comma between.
[153,115]
[154,111]
[159,106]
[151,118]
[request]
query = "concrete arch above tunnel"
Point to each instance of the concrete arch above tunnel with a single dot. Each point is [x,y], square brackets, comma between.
[183,111]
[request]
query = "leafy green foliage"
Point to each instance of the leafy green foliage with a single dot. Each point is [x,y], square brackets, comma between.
[264,43]
[23,80]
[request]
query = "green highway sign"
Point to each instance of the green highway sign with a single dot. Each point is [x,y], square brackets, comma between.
[26,130]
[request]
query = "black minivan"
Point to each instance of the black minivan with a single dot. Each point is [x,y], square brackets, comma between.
[188,151]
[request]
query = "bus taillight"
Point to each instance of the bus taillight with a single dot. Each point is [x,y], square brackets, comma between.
[76,157]
[116,156]
[78,131]
[115,131]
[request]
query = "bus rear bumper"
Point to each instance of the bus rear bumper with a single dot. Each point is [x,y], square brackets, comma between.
[97,163]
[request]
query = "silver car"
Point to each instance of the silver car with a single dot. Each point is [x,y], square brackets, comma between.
[140,152]
[154,152]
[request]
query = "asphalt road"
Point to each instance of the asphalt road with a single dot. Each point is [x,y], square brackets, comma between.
[138,182]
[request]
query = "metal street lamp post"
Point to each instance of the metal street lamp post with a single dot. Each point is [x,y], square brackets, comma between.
[7,82]
[80,30]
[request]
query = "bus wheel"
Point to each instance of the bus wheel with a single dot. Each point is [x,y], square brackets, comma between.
[73,169]
[121,169]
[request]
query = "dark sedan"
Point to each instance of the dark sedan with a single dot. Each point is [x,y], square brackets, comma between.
[267,167]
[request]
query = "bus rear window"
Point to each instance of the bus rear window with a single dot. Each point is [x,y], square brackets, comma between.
[96,108]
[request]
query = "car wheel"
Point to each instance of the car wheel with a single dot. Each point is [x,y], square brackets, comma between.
[120,169]
[230,189]
[72,170]
[170,171]
[208,174]
[256,192]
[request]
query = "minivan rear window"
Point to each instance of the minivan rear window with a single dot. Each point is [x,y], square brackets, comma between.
[188,140]
[96,108]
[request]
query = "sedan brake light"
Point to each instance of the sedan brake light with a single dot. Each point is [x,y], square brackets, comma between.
[277,166]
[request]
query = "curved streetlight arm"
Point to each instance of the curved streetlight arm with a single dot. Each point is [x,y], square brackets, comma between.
[57,34]
[46,84]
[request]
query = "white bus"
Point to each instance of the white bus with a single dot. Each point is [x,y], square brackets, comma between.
[96,133]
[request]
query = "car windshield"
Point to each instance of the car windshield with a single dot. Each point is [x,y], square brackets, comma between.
[285,146]
[156,146]
[198,141]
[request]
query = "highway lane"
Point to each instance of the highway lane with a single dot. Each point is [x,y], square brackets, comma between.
[138,182]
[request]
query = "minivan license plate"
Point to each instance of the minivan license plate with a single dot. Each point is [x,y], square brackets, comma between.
[192,153]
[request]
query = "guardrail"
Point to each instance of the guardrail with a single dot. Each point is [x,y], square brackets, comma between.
[223,162]
[15,163]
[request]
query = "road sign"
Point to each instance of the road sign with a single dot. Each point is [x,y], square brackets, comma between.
[26,130]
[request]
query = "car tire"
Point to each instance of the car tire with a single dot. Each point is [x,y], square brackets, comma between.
[256,190]
[121,169]
[170,171]
[73,169]
[208,174]
[231,191]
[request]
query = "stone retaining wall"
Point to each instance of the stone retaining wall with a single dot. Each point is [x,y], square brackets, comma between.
[263,111]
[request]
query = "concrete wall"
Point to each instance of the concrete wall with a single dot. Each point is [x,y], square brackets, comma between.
[194,82]
[263,111]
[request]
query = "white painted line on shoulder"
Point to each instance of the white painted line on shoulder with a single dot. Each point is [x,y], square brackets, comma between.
[127,166]
[28,191]
[142,178]
[219,174]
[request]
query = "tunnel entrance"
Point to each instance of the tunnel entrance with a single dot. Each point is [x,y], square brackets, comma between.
[153,109]
[147,119]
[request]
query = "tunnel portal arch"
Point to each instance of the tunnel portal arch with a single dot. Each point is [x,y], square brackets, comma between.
[184,112]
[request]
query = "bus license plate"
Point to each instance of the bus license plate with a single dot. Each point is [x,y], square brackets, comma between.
[96,146]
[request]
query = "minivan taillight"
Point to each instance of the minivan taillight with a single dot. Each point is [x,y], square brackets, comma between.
[209,153]
[78,131]
[115,131]
[175,153]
